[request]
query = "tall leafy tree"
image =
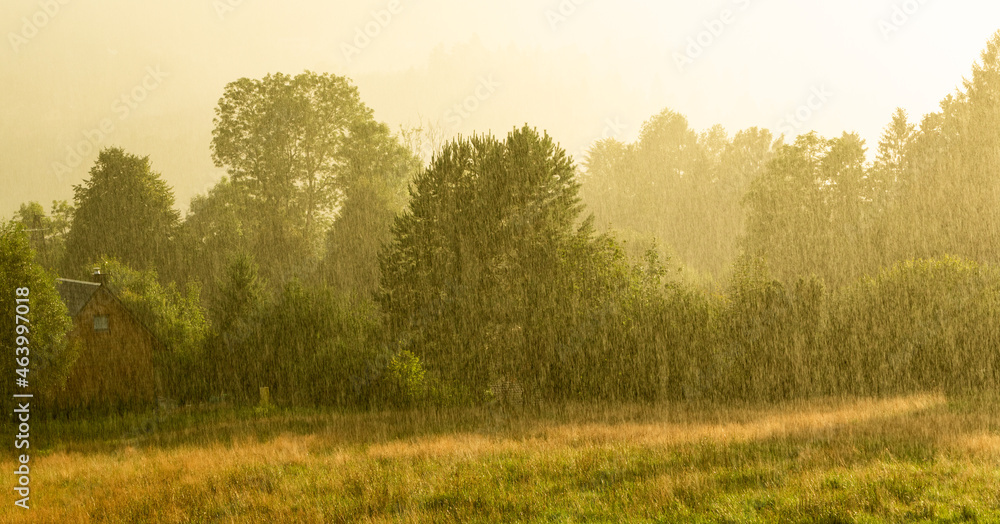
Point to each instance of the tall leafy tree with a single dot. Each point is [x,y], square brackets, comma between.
[377,169]
[889,171]
[744,158]
[714,217]
[670,178]
[639,186]
[48,356]
[948,203]
[676,189]
[295,146]
[978,157]
[606,168]
[233,354]
[848,189]
[47,232]
[489,272]
[124,211]
[483,213]
[214,231]
[891,179]
[813,211]
[787,218]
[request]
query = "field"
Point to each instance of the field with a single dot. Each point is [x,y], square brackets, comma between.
[909,459]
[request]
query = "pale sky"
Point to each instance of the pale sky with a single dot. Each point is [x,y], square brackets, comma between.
[579,69]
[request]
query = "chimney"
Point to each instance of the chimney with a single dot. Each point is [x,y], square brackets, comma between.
[100,278]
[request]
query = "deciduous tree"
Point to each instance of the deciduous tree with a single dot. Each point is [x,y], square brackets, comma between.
[123,211]
[28,290]
[47,233]
[298,147]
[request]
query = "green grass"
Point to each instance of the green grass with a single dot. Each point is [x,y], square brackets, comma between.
[913,459]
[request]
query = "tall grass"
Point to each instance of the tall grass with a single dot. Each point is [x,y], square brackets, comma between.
[918,458]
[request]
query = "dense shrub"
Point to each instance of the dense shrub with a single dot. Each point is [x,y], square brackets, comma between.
[313,341]
[924,324]
[406,383]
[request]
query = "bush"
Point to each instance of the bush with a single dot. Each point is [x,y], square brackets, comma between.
[408,384]
[921,324]
[767,336]
[312,343]
[406,378]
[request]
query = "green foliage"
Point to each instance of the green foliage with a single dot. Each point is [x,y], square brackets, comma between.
[374,192]
[812,206]
[686,331]
[769,335]
[215,230]
[50,355]
[470,255]
[491,270]
[315,347]
[298,149]
[489,275]
[605,323]
[123,211]
[946,203]
[408,375]
[677,187]
[889,173]
[808,212]
[236,313]
[47,233]
[241,294]
[923,324]
[405,383]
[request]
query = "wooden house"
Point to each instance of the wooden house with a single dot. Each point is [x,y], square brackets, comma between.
[114,369]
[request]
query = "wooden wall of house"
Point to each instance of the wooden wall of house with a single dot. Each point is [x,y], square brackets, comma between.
[114,369]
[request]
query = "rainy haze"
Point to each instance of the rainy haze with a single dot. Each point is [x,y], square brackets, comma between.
[539,261]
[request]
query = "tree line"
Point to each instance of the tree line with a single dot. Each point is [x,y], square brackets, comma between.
[336,267]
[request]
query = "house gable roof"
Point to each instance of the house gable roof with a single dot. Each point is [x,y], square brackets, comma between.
[76,293]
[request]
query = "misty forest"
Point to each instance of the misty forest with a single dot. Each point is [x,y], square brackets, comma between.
[338,277]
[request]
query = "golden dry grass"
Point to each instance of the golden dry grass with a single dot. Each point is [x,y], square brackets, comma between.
[916,458]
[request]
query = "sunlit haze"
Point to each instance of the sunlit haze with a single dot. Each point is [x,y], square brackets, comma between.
[578,69]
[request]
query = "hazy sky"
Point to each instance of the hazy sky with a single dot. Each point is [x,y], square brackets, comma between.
[146,75]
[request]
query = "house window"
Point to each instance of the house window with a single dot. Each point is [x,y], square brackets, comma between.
[101,323]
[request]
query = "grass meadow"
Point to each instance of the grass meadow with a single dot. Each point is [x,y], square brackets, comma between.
[923,458]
